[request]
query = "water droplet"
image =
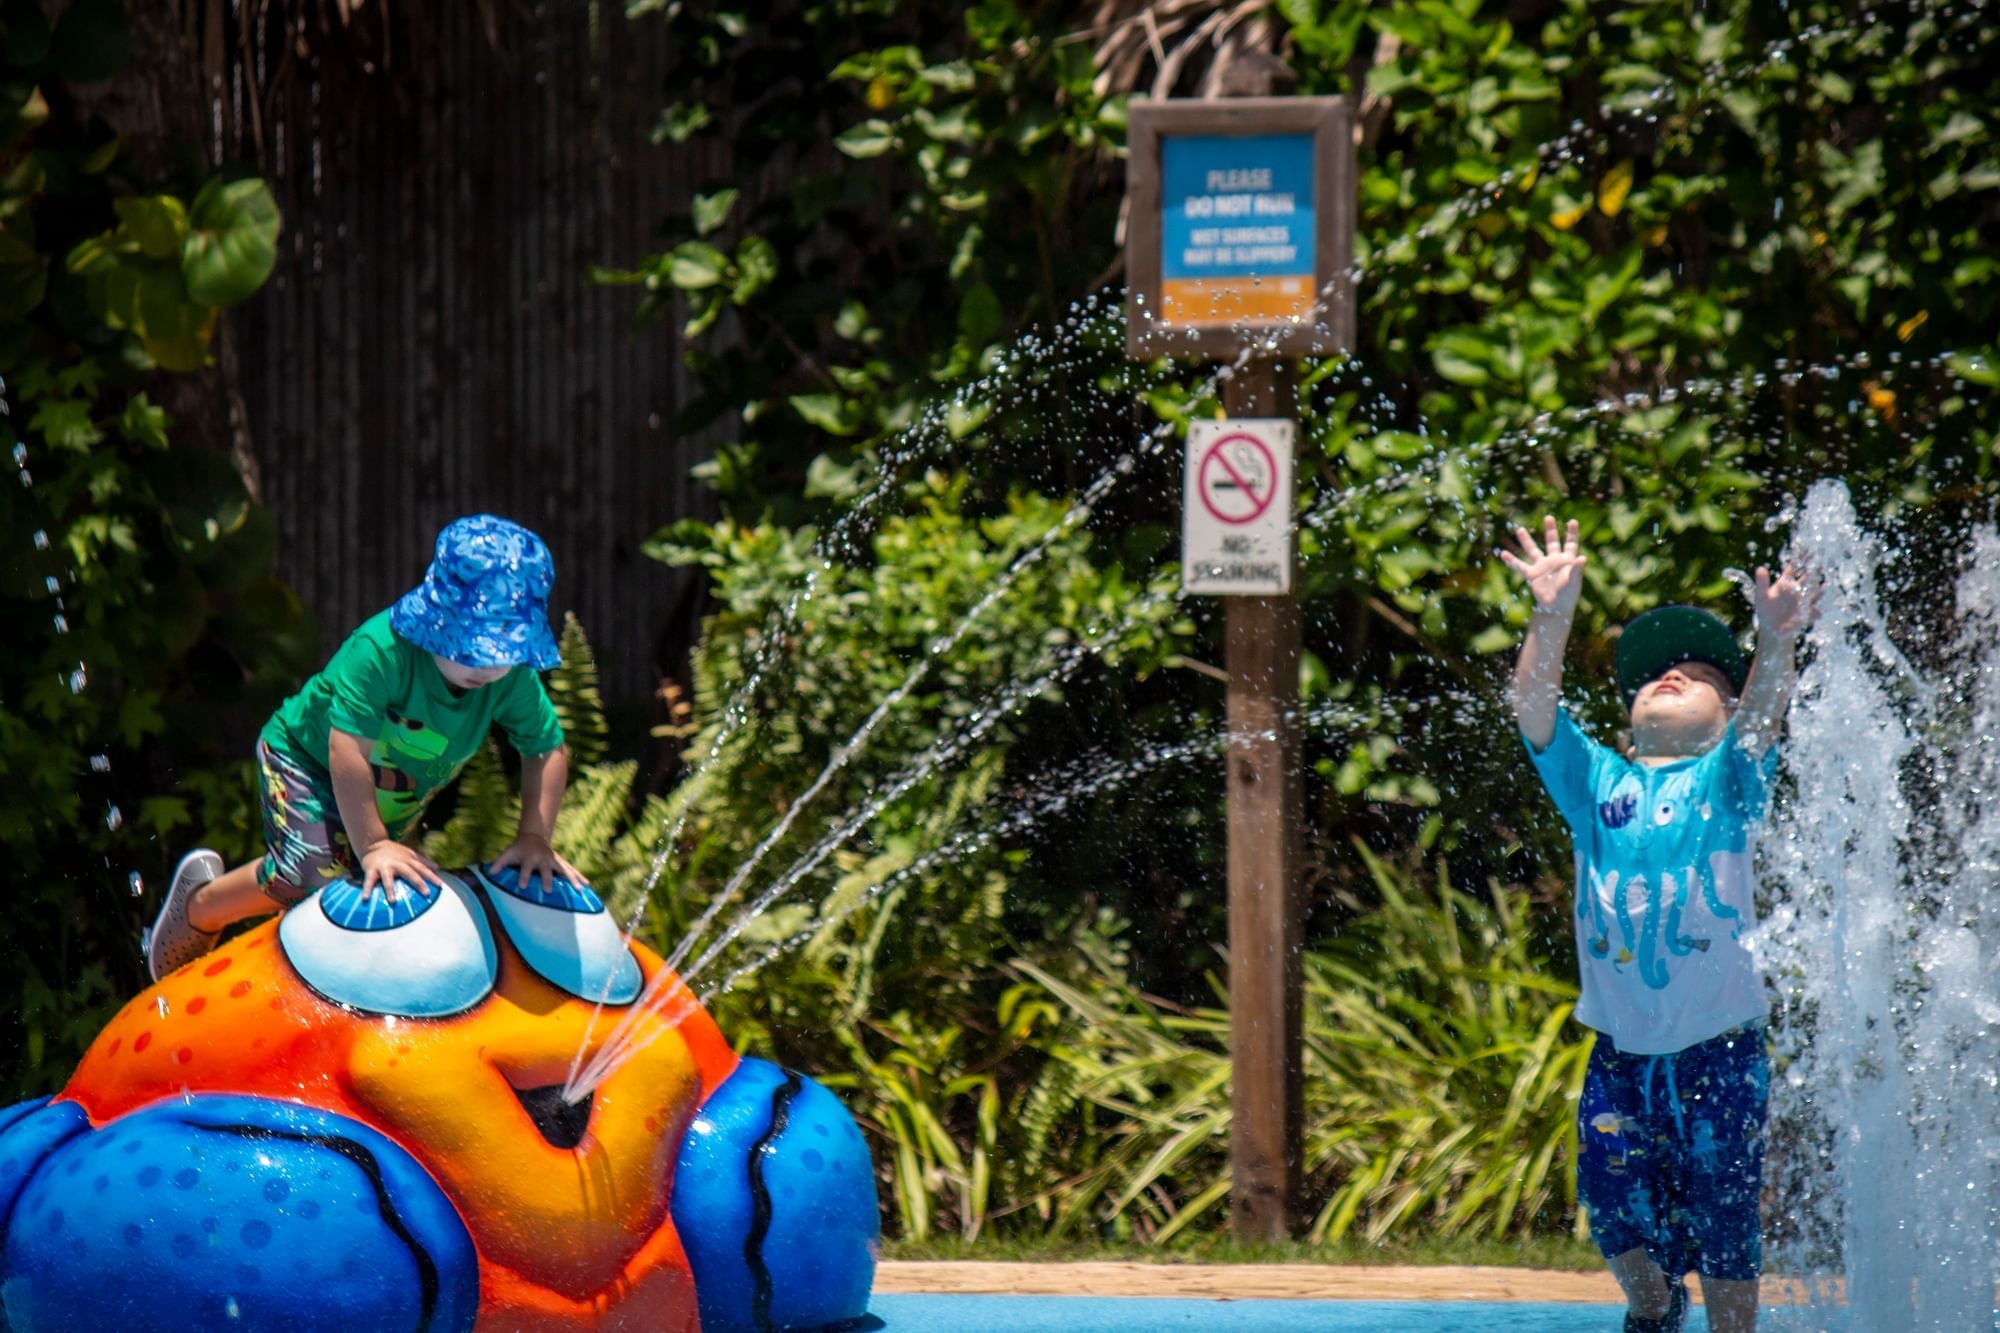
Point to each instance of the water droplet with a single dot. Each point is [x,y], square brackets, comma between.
[138,884]
[161,1001]
[41,540]
[78,679]
[100,763]
[51,584]
[114,819]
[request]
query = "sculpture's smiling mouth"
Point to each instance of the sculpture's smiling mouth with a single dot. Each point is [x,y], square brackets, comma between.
[560,1122]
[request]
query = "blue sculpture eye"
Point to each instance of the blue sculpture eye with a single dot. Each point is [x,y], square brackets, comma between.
[564,933]
[419,956]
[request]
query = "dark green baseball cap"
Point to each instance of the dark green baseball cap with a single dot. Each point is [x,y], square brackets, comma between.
[1669,634]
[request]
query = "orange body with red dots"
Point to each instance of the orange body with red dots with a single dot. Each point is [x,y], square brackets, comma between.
[567,1237]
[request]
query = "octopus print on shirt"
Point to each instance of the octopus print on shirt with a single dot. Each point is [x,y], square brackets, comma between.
[1663,886]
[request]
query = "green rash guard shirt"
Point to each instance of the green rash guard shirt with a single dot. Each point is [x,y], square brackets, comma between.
[418,729]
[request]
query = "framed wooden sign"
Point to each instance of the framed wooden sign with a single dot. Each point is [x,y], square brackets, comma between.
[1240,227]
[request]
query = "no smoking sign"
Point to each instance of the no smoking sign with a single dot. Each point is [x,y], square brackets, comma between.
[1236,513]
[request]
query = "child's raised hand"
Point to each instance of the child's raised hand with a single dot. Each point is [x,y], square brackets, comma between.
[1789,603]
[1554,569]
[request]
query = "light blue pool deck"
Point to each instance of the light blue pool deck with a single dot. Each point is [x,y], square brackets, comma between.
[1139,1314]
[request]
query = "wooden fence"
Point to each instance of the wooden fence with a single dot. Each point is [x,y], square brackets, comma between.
[431,345]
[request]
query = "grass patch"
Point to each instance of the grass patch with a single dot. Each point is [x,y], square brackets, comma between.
[1557,1252]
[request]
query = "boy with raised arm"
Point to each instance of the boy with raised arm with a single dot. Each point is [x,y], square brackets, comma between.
[1670,1126]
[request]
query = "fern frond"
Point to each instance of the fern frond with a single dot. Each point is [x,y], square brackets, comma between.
[1051,1100]
[488,813]
[573,690]
[594,815]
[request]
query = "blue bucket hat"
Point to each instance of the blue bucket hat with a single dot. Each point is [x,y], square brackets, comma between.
[485,599]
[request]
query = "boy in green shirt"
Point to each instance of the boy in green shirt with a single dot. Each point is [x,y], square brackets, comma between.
[352,759]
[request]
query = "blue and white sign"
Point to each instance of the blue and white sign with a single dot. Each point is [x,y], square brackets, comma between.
[1236,228]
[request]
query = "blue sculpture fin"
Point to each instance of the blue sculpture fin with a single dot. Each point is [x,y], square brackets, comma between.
[219,1210]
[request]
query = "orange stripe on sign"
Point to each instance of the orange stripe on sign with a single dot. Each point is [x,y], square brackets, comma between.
[1225,300]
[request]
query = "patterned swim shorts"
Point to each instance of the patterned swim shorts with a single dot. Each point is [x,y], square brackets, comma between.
[1670,1153]
[305,846]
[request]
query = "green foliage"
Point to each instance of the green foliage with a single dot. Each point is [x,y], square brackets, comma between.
[144,625]
[896,631]
[1651,269]
[167,267]
[1440,1091]
[949,174]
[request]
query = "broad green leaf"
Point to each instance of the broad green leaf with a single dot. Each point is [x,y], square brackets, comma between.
[756,266]
[66,424]
[962,418]
[825,410]
[1462,360]
[680,122]
[695,265]
[1962,126]
[952,125]
[1975,367]
[954,76]
[712,210]
[1610,280]
[143,423]
[183,352]
[157,223]
[829,479]
[852,321]
[232,241]
[871,138]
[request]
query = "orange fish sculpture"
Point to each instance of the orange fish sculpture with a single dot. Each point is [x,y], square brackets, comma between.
[352,1117]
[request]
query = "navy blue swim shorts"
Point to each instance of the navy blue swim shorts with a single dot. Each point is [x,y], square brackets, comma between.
[1670,1153]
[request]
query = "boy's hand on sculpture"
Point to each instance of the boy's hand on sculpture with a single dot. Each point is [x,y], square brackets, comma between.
[1553,570]
[1786,605]
[532,855]
[389,860]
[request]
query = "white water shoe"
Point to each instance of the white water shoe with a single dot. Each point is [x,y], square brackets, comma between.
[173,942]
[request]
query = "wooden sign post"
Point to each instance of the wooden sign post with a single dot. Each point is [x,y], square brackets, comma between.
[1240,236]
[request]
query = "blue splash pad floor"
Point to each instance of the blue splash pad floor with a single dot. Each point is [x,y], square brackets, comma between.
[1140,1314]
[1143,1314]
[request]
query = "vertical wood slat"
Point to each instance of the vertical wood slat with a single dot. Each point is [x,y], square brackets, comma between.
[430,345]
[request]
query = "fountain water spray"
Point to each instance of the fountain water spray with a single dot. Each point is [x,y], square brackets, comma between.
[1882,942]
